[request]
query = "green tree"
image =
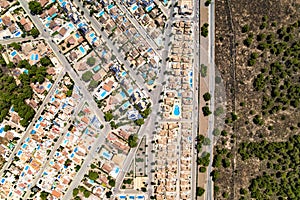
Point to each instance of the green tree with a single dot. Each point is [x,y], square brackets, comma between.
[108,116]
[112,182]
[87,76]
[15,45]
[139,122]
[75,192]
[204,30]
[45,61]
[206,111]
[34,32]
[93,175]
[93,84]
[44,195]
[35,7]
[133,140]
[245,28]
[206,96]
[200,191]
[203,70]
[91,61]
[86,194]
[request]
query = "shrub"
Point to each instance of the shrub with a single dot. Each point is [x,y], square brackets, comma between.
[245,28]
[200,191]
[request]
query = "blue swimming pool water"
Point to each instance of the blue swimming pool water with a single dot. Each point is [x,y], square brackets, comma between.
[103,94]
[150,82]
[97,68]
[92,35]
[106,155]
[131,197]
[0,20]
[76,149]
[72,155]
[32,57]
[68,134]
[71,25]
[19,152]
[33,132]
[49,18]
[37,126]
[95,39]
[13,53]
[140,197]
[36,56]
[101,13]
[122,197]
[24,146]
[126,105]
[48,24]
[191,73]
[26,168]
[77,35]
[122,94]
[49,85]
[26,71]
[2,180]
[149,8]
[54,15]
[110,6]
[176,110]
[64,4]
[1,130]
[82,49]
[124,73]
[191,80]
[117,170]
[18,33]
[41,119]
[134,8]
[27,139]
[130,91]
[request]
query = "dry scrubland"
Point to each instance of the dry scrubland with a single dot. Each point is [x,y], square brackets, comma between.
[258,53]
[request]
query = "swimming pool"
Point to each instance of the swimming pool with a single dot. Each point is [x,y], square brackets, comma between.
[82,49]
[27,139]
[149,8]
[26,168]
[141,197]
[71,25]
[41,119]
[18,33]
[134,8]
[150,82]
[49,18]
[24,146]
[12,109]
[101,13]
[1,130]
[124,73]
[176,111]
[110,6]
[126,105]
[37,125]
[72,155]
[13,53]
[33,132]
[92,35]
[130,91]
[2,180]
[103,94]
[131,197]
[77,35]
[97,68]
[106,155]
[122,94]
[49,85]
[191,73]
[114,173]
[26,71]
[122,197]
[54,15]
[19,152]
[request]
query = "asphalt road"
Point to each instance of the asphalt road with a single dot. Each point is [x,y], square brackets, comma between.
[31,125]
[97,28]
[56,146]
